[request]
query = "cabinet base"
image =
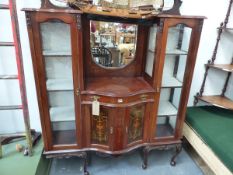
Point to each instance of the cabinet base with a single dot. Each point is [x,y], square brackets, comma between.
[147,149]
[80,154]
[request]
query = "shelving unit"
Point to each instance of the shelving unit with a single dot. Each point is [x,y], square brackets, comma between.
[219,100]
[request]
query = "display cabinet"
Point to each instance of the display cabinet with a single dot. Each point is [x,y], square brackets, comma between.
[111,84]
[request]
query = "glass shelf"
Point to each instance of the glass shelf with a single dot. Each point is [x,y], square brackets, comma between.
[176,52]
[56,53]
[62,114]
[59,84]
[166,108]
[169,81]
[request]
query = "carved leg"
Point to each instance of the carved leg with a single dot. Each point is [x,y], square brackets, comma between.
[178,150]
[145,158]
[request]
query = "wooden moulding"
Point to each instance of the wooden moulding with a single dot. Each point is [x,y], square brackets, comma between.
[218,101]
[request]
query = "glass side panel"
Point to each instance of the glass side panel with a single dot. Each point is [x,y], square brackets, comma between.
[172,80]
[151,50]
[56,44]
[99,127]
[135,130]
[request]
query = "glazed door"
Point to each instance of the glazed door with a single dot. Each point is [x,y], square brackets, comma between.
[56,43]
[178,54]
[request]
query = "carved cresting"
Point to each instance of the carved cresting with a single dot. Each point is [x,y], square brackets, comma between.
[99,127]
[136,123]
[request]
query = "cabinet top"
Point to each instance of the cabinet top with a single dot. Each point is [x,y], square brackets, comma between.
[120,13]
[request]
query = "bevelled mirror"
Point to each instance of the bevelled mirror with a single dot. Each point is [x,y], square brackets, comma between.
[113,45]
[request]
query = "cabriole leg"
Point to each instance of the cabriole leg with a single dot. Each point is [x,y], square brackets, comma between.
[177,152]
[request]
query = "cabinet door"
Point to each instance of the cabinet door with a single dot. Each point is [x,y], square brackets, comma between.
[98,129]
[56,47]
[178,55]
[136,128]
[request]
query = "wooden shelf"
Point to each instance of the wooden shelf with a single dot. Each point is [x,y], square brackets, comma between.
[164,130]
[62,114]
[7,44]
[169,81]
[56,53]
[117,86]
[223,67]
[218,101]
[59,84]
[166,108]
[176,52]
[64,137]
[4,6]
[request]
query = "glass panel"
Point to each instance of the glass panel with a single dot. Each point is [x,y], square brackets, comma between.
[136,123]
[113,45]
[99,127]
[151,50]
[56,44]
[172,81]
[6,34]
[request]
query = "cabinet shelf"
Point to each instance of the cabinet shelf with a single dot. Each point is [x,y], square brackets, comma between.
[117,86]
[218,101]
[223,67]
[169,81]
[4,6]
[62,114]
[7,44]
[56,53]
[59,84]
[176,52]
[173,52]
[166,108]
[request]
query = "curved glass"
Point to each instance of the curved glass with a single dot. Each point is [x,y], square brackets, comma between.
[113,45]
[172,82]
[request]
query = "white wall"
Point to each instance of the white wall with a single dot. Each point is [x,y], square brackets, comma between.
[215,12]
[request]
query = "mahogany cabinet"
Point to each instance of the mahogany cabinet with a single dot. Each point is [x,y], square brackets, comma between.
[87,104]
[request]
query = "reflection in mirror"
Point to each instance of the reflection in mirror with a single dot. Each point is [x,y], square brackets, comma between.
[113,45]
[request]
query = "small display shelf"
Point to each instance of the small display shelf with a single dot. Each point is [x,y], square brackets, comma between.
[62,114]
[7,44]
[56,53]
[170,81]
[218,100]
[166,108]
[59,84]
[117,86]
[223,67]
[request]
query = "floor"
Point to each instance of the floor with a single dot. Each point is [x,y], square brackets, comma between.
[15,163]
[129,164]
